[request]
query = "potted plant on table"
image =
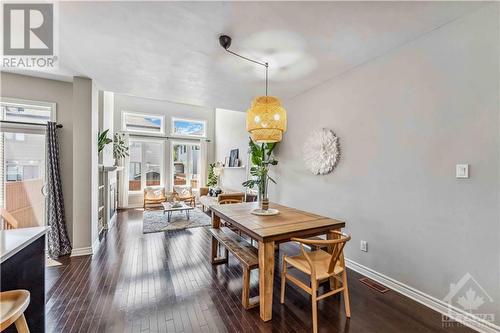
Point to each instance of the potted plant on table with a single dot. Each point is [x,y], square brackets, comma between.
[103,140]
[262,159]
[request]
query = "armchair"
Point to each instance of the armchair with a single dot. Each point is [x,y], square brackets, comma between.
[154,195]
[184,193]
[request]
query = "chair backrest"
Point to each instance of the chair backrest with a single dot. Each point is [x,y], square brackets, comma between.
[154,192]
[240,196]
[183,190]
[335,247]
[229,201]
[9,222]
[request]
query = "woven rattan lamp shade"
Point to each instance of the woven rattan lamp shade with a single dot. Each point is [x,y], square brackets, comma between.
[266,119]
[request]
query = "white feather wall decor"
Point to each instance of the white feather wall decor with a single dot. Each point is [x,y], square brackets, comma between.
[321,151]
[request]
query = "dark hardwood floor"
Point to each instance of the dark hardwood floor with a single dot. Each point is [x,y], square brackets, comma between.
[163,282]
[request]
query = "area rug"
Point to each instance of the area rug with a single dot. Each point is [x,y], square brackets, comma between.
[156,221]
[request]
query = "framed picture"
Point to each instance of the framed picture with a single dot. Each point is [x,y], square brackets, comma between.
[233,156]
[226,161]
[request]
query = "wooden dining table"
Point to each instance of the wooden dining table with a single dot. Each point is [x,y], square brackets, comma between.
[269,231]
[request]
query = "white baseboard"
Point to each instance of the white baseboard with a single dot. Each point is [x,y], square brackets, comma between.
[81,251]
[440,306]
[132,206]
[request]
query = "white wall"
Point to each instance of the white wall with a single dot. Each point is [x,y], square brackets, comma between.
[404,121]
[85,170]
[230,133]
[106,119]
[169,110]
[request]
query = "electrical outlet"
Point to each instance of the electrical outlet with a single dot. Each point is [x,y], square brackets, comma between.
[462,171]
[363,246]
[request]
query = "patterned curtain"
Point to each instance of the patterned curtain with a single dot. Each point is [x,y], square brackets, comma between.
[58,241]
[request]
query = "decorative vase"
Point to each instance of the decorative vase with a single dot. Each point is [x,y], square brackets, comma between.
[263,198]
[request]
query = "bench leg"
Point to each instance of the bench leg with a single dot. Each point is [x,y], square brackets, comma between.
[214,256]
[246,301]
[245,294]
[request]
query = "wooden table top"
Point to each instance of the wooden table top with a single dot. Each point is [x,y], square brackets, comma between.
[290,222]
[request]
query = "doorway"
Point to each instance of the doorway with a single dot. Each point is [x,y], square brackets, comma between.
[24,178]
[186,164]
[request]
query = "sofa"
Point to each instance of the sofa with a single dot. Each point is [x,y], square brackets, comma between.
[207,201]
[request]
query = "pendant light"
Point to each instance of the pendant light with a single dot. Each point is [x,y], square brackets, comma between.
[266,118]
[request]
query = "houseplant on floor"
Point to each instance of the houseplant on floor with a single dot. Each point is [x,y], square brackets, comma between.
[120,148]
[214,170]
[262,159]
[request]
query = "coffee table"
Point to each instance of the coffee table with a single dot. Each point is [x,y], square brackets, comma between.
[167,207]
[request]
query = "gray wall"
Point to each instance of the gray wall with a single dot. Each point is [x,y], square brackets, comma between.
[61,93]
[404,121]
[77,111]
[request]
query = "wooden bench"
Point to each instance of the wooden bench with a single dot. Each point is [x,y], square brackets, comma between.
[244,252]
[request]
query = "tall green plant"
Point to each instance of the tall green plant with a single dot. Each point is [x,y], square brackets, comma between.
[120,149]
[212,177]
[103,140]
[262,158]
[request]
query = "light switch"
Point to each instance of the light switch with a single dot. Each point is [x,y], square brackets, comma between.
[462,171]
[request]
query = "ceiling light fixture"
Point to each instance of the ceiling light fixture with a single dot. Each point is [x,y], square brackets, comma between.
[266,118]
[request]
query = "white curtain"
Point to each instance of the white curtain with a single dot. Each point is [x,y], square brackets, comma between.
[123,176]
[203,161]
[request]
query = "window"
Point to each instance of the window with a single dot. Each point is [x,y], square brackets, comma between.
[23,171]
[23,163]
[17,110]
[187,127]
[17,173]
[146,163]
[144,123]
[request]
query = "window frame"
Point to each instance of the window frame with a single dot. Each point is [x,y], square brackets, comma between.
[180,136]
[28,102]
[141,114]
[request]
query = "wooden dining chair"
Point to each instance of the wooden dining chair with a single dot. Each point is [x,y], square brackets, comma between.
[9,222]
[227,201]
[319,265]
[12,306]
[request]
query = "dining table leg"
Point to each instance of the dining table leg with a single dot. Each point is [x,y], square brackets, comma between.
[266,277]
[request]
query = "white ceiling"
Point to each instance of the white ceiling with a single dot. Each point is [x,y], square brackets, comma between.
[170,51]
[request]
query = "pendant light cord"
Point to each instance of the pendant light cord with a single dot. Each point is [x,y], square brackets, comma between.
[265,64]
[267,69]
